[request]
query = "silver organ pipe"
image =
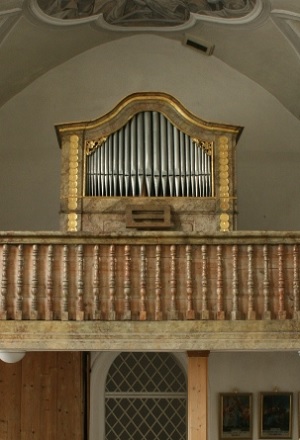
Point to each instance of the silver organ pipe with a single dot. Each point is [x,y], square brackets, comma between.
[163,153]
[156,155]
[140,153]
[148,160]
[170,142]
[121,161]
[149,156]
[128,132]
[192,172]
[101,153]
[187,162]
[182,163]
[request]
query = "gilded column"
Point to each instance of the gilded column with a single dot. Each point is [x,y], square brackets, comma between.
[224,188]
[72,222]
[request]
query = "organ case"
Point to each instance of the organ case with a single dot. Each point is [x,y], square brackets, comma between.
[148,164]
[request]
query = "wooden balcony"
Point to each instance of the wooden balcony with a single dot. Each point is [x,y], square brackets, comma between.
[160,290]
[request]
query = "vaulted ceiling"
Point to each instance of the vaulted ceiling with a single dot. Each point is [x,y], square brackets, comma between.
[258,38]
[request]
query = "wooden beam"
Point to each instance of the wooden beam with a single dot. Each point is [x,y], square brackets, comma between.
[197,394]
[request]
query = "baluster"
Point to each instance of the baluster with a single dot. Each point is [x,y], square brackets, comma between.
[235,291]
[33,313]
[204,314]
[79,299]
[127,285]
[296,313]
[19,293]
[173,313]
[64,315]
[266,284]
[220,311]
[158,311]
[96,284]
[190,313]
[281,312]
[251,314]
[3,311]
[112,284]
[48,305]
[143,312]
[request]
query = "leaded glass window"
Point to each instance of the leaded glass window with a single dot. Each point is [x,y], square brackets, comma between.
[145,398]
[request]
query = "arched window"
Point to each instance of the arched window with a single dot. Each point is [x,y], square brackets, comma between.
[143,396]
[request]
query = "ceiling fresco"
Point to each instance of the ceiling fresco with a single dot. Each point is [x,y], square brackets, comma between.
[145,12]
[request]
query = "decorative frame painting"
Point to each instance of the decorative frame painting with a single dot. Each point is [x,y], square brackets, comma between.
[276,412]
[235,416]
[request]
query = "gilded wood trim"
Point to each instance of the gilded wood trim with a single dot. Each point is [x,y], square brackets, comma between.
[155,101]
[73,183]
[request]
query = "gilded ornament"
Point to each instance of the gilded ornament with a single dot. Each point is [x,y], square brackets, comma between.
[224,175]
[91,146]
[73,191]
[224,194]
[224,206]
[224,182]
[72,203]
[224,168]
[224,147]
[224,217]
[224,226]
[206,145]
[73,182]
[223,140]
[73,178]
[72,222]
[223,161]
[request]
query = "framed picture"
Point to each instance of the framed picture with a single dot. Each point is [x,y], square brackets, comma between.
[235,415]
[276,410]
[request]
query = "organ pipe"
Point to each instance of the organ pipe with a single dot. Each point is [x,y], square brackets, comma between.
[149,156]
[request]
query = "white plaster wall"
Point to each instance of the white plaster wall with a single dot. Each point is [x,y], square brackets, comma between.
[227,372]
[252,373]
[91,84]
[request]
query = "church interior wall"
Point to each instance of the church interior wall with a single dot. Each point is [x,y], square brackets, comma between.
[90,85]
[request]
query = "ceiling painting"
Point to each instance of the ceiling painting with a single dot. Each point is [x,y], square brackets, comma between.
[146,12]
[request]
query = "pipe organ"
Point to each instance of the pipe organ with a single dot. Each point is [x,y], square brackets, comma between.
[148,156]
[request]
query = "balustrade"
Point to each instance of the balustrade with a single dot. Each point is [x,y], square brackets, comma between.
[148,277]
